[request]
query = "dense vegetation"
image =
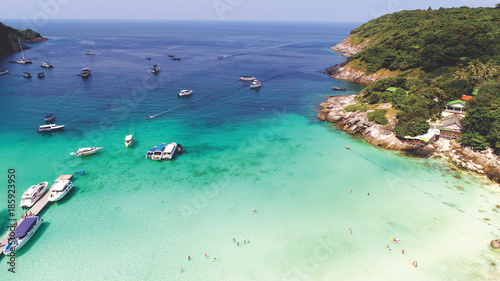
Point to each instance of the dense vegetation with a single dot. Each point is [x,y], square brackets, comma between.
[437,56]
[9,38]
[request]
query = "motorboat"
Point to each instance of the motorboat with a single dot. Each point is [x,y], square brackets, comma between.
[247,78]
[41,74]
[50,128]
[176,58]
[3,72]
[171,56]
[87,150]
[86,72]
[46,65]
[339,89]
[164,152]
[50,117]
[220,56]
[129,140]
[185,93]
[255,84]
[24,231]
[27,75]
[89,53]
[148,58]
[60,189]
[149,117]
[156,69]
[33,194]
[22,61]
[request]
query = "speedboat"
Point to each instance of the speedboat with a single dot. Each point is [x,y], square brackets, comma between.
[50,128]
[41,74]
[129,140]
[176,58]
[27,75]
[339,89]
[33,194]
[185,93]
[50,117]
[247,78]
[148,58]
[86,72]
[89,53]
[60,189]
[22,234]
[149,117]
[255,84]
[46,65]
[156,69]
[87,150]
[220,57]
[3,72]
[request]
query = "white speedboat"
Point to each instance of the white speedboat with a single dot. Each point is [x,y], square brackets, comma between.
[50,128]
[89,53]
[185,93]
[247,78]
[156,69]
[60,189]
[3,72]
[255,84]
[46,65]
[87,150]
[22,234]
[33,194]
[129,140]
[86,72]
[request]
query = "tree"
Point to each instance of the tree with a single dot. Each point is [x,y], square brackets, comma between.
[411,126]
[473,139]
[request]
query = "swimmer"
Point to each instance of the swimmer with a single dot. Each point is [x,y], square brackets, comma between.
[255,210]
[182,269]
[189,257]
[237,243]
[206,256]
[387,246]
[403,252]
[213,259]
[368,193]
[350,190]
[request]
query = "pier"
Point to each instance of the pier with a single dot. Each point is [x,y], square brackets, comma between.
[36,209]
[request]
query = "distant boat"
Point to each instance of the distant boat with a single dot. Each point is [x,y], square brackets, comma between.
[41,74]
[129,140]
[33,194]
[339,89]
[46,65]
[50,128]
[86,72]
[247,78]
[185,93]
[395,240]
[23,59]
[60,189]
[347,147]
[156,69]
[87,151]
[3,72]
[24,231]
[91,52]
[171,56]
[176,58]
[149,117]
[50,117]
[255,84]
[148,58]
[220,57]
[27,75]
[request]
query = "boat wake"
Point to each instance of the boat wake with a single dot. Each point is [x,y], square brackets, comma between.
[72,153]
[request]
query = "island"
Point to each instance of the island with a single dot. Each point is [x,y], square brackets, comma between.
[433,85]
[10,37]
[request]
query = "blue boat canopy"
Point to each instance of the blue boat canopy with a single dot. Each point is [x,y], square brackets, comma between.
[49,115]
[151,149]
[160,147]
[25,225]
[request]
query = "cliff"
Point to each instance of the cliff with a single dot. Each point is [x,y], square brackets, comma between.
[348,48]
[345,71]
[9,39]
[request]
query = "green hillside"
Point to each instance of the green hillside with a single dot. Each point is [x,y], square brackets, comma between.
[9,38]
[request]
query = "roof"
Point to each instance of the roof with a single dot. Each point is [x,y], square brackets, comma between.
[466,97]
[455,101]
[171,147]
[427,136]
[24,226]
[391,89]
[129,137]
[60,185]
[151,149]
[160,147]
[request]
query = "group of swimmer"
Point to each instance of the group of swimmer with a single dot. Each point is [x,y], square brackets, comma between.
[189,258]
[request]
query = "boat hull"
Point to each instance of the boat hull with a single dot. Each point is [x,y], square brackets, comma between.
[54,129]
[53,197]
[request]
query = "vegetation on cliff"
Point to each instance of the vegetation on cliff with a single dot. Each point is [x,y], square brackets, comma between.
[9,38]
[436,56]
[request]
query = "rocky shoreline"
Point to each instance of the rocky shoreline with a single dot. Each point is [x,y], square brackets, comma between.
[482,162]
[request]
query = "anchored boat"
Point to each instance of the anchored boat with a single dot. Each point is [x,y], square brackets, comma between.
[87,150]
[22,234]
[129,140]
[33,194]
[50,128]
[60,189]
[185,93]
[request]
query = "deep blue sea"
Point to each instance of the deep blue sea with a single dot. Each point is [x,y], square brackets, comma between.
[130,218]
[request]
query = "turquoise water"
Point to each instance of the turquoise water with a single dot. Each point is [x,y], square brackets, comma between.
[133,219]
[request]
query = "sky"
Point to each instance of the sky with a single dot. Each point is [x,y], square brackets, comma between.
[39,11]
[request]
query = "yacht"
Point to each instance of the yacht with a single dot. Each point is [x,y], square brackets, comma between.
[22,234]
[156,69]
[170,151]
[87,150]
[41,74]
[49,117]
[185,93]
[22,61]
[50,128]
[27,75]
[46,65]
[255,84]
[247,78]
[60,189]
[89,53]
[33,194]
[86,72]
[3,72]
[129,140]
